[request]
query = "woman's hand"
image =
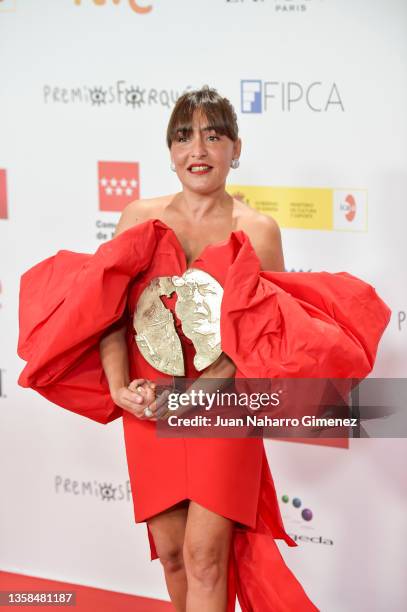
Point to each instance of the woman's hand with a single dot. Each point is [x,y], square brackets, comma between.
[134,398]
[139,395]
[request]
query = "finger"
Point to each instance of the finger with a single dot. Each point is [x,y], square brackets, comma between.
[150,397]
[160,403]
[129,408]
[138,410]
[137,382]
[137,395]
[157,410]
[141,393]
[135,400]
[147,392]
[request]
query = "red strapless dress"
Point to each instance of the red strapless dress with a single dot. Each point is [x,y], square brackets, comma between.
[310,325]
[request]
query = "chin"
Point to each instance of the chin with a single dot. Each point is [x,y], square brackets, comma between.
[203,188]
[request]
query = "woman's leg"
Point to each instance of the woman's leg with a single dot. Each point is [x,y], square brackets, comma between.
[168,530]
[206,555]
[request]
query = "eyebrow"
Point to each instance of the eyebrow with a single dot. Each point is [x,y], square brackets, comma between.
[207,128]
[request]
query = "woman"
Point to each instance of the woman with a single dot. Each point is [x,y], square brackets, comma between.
[209,503]
[192,541]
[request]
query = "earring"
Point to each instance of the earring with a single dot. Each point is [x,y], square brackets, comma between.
[235,163]
[172,166]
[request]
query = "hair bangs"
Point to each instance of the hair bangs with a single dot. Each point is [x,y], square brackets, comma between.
[218,112]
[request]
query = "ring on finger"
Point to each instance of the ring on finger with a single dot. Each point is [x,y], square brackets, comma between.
[148,412]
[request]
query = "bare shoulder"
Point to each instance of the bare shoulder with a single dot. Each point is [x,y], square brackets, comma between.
[138,212]
[265,235]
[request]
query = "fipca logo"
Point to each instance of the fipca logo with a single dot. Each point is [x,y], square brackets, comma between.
[119,184]
[258,96]
[135,5]
[3,194]
[251,96]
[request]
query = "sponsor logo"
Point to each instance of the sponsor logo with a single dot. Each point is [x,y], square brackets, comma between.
[311,539]
[313,208]
[306,513]
[105,229]
[3,194]
[138,7]
[300,520]
[241,197]
[103,491]
[119,92]
[251,96]
[257,96]
[285,7]
[350,210]
[350,207]
[119,184]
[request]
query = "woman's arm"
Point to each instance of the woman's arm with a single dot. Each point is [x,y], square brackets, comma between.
[265,237]
[113,346]
[114,357]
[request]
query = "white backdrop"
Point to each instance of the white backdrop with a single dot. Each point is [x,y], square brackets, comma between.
[85,82]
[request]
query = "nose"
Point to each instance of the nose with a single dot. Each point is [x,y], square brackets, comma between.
[198,147]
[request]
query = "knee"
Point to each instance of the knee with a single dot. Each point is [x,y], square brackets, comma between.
[204,564]
[171,559]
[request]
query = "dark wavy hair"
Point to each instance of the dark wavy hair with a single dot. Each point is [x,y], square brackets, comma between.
[219,112]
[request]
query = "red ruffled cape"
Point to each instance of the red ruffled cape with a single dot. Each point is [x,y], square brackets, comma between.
[273,325]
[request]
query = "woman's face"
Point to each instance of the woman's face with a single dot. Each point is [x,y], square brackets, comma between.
[210,153]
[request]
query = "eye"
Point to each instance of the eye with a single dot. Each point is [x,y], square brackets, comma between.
[213,136]
[181,138]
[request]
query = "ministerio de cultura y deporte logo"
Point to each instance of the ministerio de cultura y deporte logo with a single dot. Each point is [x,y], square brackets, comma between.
[135,5]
